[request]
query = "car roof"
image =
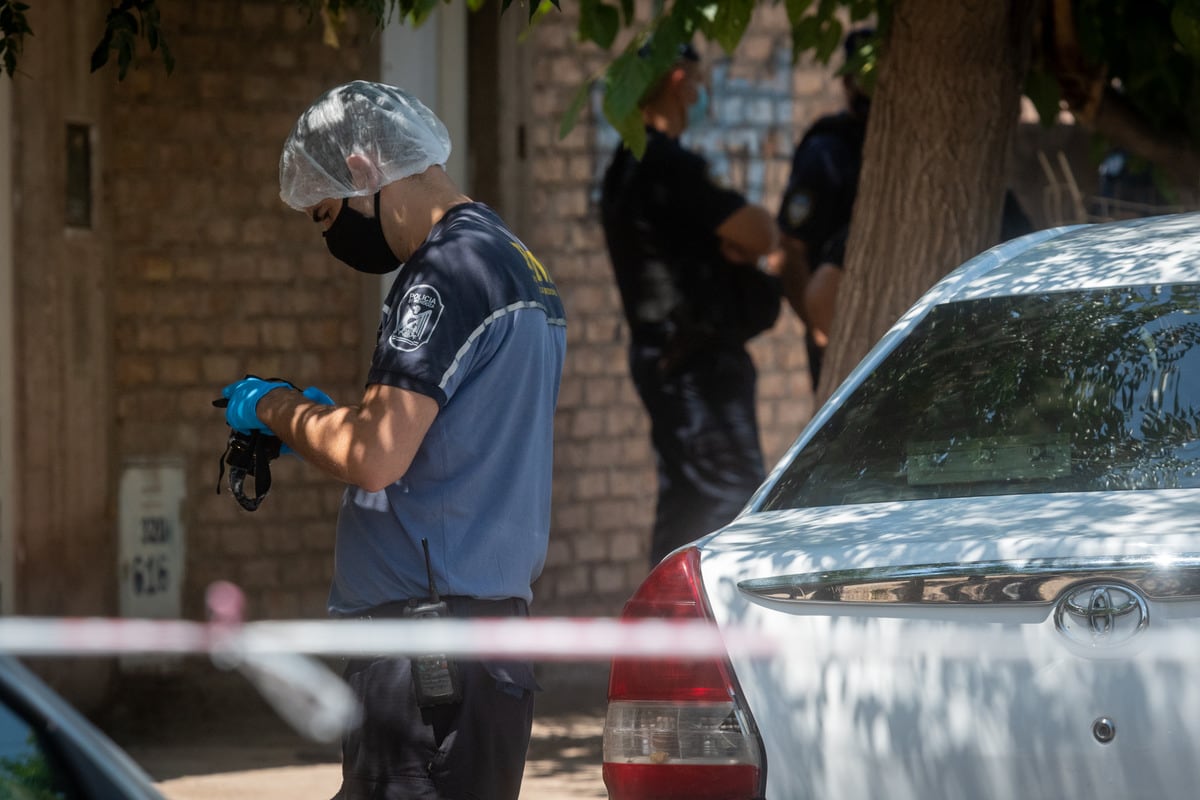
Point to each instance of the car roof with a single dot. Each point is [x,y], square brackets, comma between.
[1147,251]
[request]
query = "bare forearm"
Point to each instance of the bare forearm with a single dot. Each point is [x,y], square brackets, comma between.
[750,232]
[356,444]
[794,272]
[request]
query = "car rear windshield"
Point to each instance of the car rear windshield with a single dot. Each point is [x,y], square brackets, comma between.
[1059,392]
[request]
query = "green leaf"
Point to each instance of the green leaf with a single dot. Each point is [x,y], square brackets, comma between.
[633,132]
[690,16]
[861,9]
[626,80]
[830,39]
[730,23]
[806,34]
[1185,22]
[1043,91]
[122,21]
[598,22]
[795,10]
[669,34]
[572,113]
[100,54]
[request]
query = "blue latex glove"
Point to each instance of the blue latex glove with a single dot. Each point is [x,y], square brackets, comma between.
[317,396]
[242,411]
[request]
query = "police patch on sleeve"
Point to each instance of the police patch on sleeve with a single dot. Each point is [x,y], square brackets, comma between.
[418,315]
[798,208]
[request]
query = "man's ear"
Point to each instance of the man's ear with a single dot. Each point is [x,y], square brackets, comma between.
[363,172]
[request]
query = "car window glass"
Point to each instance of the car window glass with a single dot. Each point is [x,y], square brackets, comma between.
[28,771]
[1057,392]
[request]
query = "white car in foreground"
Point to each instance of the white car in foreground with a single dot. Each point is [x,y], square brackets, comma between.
[981,558]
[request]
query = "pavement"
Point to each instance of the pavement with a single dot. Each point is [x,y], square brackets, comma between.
[236,748]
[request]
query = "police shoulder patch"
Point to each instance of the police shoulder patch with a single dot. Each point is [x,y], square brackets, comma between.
[798,208]
[417,316]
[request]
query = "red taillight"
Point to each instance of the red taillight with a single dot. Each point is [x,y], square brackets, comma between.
[675,728]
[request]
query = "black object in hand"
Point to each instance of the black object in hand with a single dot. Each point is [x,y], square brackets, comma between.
[248,454]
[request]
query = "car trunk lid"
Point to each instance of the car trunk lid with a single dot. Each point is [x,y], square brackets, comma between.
[982,647]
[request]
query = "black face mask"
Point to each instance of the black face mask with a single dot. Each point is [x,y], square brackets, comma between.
[358,240]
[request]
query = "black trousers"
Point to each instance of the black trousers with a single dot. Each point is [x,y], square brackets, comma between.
[704,427]
[472,749]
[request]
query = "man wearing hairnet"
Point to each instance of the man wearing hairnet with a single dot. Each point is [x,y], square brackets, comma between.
[447,455]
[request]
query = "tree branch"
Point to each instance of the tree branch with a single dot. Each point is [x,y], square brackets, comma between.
[1114,118]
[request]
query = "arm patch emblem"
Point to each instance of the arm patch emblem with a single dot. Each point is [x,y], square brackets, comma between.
[798,208]
[419,313]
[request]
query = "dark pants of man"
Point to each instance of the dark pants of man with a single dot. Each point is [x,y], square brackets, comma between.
[704,429]
[471,750]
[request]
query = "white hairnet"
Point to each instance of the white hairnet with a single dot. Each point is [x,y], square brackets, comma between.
[387,126]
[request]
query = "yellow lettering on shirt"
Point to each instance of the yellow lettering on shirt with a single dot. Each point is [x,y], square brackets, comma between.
[539,272]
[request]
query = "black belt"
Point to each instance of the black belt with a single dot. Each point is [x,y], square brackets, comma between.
[458,605]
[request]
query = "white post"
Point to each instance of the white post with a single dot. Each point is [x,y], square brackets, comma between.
[431,62]
[8,514]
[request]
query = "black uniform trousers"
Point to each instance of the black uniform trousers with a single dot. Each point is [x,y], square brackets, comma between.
[704,429]
[474,749]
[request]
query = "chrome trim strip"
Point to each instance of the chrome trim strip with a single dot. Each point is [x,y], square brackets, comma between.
[1031,581]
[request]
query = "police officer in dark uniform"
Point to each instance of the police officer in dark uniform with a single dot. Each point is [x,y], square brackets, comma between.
[685,253]
[817,203]
[815,212]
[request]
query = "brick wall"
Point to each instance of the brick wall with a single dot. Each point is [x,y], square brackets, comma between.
[197,274]
[215,277]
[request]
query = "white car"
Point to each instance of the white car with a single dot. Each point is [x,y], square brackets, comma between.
[980,561]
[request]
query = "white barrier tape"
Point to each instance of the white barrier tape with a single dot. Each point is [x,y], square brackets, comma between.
[275,656]
[536,638]
[62,636]
[551,639]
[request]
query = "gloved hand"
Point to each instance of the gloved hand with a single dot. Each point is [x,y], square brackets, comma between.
[241,412]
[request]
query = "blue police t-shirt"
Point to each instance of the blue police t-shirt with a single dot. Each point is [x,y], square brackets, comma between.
[474,321]
[819,197]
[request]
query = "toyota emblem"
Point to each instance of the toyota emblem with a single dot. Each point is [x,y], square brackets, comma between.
[1101,614]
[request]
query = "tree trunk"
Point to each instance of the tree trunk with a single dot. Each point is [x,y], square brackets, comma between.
[934,163]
